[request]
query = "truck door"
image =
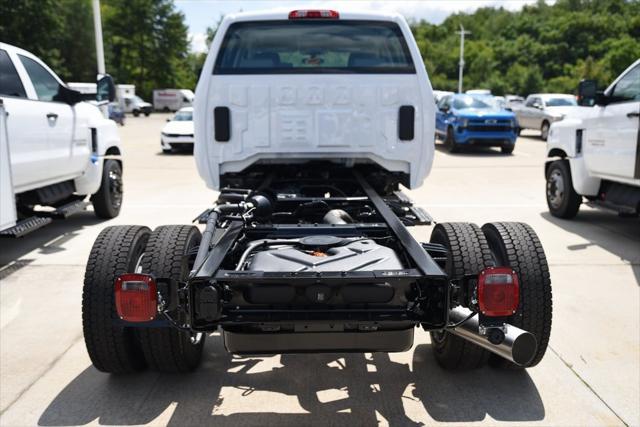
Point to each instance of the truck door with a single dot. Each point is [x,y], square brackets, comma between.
[26,129]
[612,139]
[68,148]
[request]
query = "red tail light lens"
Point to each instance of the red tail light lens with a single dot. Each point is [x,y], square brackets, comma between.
[136,297]
[314,14]
[498,291]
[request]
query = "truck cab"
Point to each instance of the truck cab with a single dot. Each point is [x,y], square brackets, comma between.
[57,149]
[290,90]
[597,150]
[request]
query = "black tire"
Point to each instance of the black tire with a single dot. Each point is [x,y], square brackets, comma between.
[136,113]
[562,199]
[146,113]
[544,130]
[507,149]
[450,141]
[468,253]
[112,348]
[168,349]
[108,200]
[516,245]
[518,131]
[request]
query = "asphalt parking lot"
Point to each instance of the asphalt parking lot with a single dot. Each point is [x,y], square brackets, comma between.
[589,376]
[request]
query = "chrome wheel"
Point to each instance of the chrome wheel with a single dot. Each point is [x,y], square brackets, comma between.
[115,188]
[555,189]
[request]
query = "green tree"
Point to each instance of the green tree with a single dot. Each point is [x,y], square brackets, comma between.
[146,43]
[59,32]
[543,47]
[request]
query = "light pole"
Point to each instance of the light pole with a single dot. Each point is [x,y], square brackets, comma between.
[97,28]
[462,32]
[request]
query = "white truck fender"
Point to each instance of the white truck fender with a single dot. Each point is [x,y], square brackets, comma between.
[105,143]
[563,143]
[8,215]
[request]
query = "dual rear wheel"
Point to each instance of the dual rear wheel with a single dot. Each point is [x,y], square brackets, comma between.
[112,346]
[471,249]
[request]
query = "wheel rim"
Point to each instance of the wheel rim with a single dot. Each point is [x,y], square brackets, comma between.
[555,189]
[115,188]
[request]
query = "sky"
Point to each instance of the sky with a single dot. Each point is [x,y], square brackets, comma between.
[203,13]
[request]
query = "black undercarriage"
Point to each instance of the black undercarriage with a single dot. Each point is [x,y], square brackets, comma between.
[312,260]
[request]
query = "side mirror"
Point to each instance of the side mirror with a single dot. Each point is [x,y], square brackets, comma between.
[587,92]
[589,95]
[537,105]
[445,109]
[106,89]
[67,95]
[168,120]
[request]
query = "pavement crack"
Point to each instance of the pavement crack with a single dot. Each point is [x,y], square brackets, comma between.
[46,369]
[595,393]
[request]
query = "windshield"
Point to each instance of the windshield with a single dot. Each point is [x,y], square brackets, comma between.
[313,47]
[461,102]
[497,103]
[183,116]
[560,102]
[137,99]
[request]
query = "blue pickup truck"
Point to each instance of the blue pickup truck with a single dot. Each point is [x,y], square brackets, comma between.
[468,120]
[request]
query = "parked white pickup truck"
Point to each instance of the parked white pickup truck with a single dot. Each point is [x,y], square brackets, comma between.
[307,122]
[54,149]
[597,150]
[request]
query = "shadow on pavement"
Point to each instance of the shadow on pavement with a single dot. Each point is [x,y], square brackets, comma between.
[619,236]
[176,152]
[472,151]
[366,386]
[48,239]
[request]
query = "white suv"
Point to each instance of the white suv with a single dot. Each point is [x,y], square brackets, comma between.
[284,89]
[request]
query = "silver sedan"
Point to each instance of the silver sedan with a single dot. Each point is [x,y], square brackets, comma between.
[542,109]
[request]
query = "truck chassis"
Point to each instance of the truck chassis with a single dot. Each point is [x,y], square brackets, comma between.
[262,273]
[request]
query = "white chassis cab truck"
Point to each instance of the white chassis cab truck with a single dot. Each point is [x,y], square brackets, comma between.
[596,150]
[56,150]
[307,122]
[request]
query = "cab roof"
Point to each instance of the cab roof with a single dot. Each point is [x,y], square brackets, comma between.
[283,14]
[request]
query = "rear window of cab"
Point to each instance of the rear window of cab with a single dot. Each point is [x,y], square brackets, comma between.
[314,47]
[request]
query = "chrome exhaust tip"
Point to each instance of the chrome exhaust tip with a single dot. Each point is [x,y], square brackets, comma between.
[518,345]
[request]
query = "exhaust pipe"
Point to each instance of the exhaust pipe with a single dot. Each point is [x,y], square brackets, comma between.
[518,346]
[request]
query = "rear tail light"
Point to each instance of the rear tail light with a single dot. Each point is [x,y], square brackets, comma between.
[136,297]
[314,14]
[498,291]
